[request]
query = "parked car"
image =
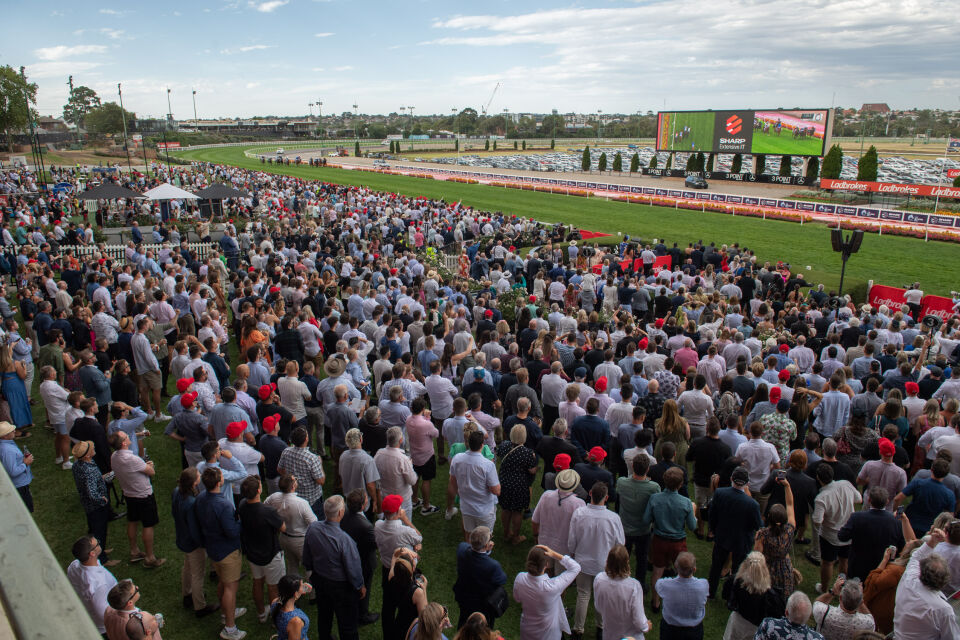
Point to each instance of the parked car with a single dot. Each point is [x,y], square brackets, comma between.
[695,182]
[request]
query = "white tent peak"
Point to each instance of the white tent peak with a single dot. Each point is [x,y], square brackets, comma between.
[167,191]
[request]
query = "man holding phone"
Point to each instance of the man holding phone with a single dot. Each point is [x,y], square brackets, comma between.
[870,532]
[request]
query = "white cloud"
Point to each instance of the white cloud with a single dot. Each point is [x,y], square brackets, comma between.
[113,34]
[110,12]
[317,69]
[269,6]
[343,68]
[59,68]
[61,52]
[253,85]
[248,48]
[325,34]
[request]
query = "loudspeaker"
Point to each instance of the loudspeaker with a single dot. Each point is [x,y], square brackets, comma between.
[856,239]
[836,239]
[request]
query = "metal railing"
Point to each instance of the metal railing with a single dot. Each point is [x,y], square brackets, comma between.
[118,251]
[32,579]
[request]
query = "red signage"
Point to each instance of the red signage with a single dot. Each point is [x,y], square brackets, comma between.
[890,296]
[953,173]
[937,306]
[168,145]
[661,263]
[863,186]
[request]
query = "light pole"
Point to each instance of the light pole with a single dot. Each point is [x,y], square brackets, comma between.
[123,119]
[169,109]
[196,121]
[310,105]
[356,121]
[456,138]
[599,124]
[320,119]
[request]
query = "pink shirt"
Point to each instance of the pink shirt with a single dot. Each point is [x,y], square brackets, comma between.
[553,513]
[420,436]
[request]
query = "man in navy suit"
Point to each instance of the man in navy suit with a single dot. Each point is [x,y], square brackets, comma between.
[871,531]
[734,519]
[478,576]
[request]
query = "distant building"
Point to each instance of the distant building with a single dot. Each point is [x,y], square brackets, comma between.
[875,107]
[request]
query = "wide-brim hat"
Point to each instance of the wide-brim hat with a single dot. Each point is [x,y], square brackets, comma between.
[568,480]
[334,367]
[6,428]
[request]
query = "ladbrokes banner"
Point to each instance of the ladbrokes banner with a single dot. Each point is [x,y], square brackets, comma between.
[893,297]
[863,186]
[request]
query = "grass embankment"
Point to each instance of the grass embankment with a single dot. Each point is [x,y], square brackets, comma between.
[885,259]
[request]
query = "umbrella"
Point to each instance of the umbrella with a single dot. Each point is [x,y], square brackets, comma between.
[220,192]
[167,191]
[108,191]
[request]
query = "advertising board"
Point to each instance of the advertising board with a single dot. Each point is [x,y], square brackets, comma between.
[797,132]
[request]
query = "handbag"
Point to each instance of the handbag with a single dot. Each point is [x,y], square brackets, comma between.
[843,446]
[498,601]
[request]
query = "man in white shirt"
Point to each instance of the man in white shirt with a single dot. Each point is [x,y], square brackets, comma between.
[833,506]
[241,451]
[90,579]
[696,406]
[759,456]
[922,612]
[594,530]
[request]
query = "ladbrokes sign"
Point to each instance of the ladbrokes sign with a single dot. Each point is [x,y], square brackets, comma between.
[864,186]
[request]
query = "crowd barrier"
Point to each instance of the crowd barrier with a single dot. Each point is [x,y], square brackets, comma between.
[118,251]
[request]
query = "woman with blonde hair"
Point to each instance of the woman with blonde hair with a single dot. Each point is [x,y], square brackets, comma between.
[671,427]
[476,628]
[430,624]
[893,412]
[752,599]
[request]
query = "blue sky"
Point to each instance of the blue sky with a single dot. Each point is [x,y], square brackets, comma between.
[254,57]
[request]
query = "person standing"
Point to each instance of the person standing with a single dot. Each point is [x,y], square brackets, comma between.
[479,577]
[475,480]
[306,467]
[594,530]
[361,531]
[395,468]
[336,574]
[421,432]
[832,508]
[930,497]
[670,514]
[552,515]
[358,470]
[734,520]
[922,612]
[134,476]
[618,598]
[708,454]
[869,533]
[684,601]
[540,595]
[259,528]
[90,579]
[297,516]
[93,495]
[633,494]
[221,534]
[147,366]
[394,532]
[189,540]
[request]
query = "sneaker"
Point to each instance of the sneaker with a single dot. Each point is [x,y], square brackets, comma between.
[162,417]
[236,634]
[449,513]
[426,511]
[262,617]
[416,505]
[239,611]
[818,588]
[58,460]
[66,466]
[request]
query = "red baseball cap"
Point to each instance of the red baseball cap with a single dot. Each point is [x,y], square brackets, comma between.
[784,375]
[601,384]
[234,429]
[392,503]
[561,462]
[912,387]
[598,454]
[775,394]
[886,447]
[271,423]
[187,399]
[265,390]
[183,384]
[784,348]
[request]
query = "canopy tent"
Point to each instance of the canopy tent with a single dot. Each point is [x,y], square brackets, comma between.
[167,191]
[108,191]
[220,192]
[213,197]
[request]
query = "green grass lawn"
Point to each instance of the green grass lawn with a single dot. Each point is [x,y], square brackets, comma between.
[885,259]
[698,138]
[771,143]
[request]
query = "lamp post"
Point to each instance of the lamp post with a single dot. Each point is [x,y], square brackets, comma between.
[169,108]
[356,119]
[456,138]
[196,121]
[599,124]
[123,119]
[35,148]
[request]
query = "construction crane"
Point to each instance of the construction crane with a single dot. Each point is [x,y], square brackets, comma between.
[484,109]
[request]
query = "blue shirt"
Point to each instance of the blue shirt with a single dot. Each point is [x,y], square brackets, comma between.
[832,413]
[130,426]
[232,471]
[475,475]
[670,513]
[930,498]
[332,554]
[12,458]
[225,413]
[218,524]
[684,600]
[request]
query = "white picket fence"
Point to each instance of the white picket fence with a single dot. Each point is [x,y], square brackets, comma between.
[118,251]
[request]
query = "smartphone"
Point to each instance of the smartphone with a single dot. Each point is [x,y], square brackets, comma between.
[893,549]
[781,474]
[899,511]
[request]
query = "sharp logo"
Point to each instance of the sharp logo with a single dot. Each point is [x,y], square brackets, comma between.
[733,140]
[734,124]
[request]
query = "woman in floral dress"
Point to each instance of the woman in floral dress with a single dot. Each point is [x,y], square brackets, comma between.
[776,540]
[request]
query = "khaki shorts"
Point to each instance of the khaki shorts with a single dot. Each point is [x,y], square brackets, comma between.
[472,522]
[272,572]
[150,380]
[702,495]
[230,568]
